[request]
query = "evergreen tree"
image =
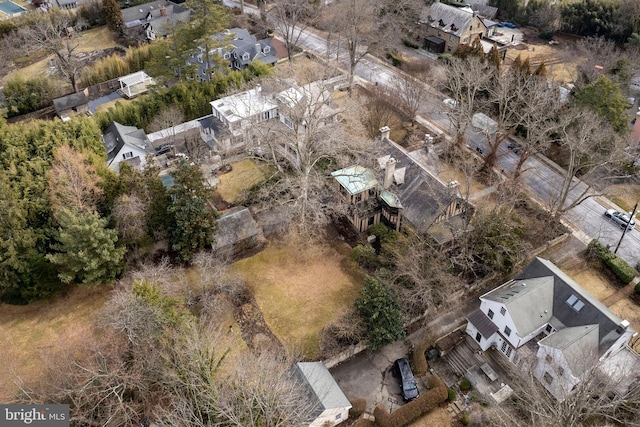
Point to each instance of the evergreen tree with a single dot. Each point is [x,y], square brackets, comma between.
[86,248]
[113,15]
[193,216]
[541,70]
[378,306]
[605,98]
[493,57]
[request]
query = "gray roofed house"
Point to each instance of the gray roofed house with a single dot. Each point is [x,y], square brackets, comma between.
[126,144]
[71,105]
[544,321]
[332,406]
[154,19]
[237,46]
[443,28]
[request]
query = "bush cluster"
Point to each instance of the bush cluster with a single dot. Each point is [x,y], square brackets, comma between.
[418,359]
[358,406]
[620,268]
[413,410]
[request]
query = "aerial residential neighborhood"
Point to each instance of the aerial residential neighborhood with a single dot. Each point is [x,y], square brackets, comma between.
[354,213]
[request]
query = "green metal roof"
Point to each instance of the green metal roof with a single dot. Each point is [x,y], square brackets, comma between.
[391,199]
[355,179]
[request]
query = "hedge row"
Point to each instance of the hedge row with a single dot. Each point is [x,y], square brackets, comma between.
[415,409]
[620,268]
[358,406]
[418,359]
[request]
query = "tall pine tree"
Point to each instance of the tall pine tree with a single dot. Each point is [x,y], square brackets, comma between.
[113,15]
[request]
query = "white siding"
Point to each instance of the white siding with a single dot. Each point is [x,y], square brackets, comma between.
[556,370]
[331,417]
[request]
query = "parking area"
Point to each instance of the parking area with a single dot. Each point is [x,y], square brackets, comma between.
[371,376]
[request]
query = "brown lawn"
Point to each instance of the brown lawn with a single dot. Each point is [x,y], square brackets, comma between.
[467,183]
[437,417]
[42,327]
[299,291]
[244,175]
[593,281]
[560,60]
[623,195]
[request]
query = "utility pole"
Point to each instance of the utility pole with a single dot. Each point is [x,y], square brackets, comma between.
[626,228]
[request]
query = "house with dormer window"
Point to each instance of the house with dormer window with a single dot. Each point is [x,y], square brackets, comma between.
[443,28]
[547,324]
[407,194]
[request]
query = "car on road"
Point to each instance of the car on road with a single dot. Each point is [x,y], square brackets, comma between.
[451,103]
[164,148]
[622,219]
[407,381]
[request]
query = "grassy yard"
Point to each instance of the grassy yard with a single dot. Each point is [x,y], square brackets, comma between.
[300,291]
[623,195]
[28,331]
[245,174]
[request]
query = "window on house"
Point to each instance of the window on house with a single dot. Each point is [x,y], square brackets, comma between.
[548,378]
[439,34]
[358,197]
[227,55]
[549,329]
[450,38]
[245,56]
[478,336]
[507,331]
[466,39]
[509,350]
[338,417]
[561,371]
[128,155]
[449,48]
[503,348]
[502,311]
[470,27]
[266,49]
[548,358]
[490,314]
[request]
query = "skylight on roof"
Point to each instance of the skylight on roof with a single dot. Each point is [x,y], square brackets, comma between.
[575,303]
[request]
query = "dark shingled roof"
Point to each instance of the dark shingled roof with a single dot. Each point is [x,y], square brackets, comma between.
[423,197]
[456,20]
[483,324]
[592,313]
[70,101]
[235,226]
[116,135]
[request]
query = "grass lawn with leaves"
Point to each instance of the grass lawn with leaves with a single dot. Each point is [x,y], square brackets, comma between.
[301,289]
[244,175]
[30,330]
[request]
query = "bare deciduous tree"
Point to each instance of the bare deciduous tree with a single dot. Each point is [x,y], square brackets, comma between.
[466,79]
[72,181]
[130,215]
[49,33]
[412,91]
[313,129]
[291,18]
[587,142]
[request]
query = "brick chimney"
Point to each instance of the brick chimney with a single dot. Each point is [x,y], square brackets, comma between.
[389,170]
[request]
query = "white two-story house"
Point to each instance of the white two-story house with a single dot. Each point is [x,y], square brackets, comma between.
[545,322]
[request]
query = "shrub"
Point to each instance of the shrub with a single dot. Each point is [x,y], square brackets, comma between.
[464,419]
[618,266]
[451,395]
[378,306]
[465,385]
[395,59]
[414,409]
[365,256]
[418,359]
[358,406]
[637,288]
[546,35]
[410,43]
[25,96]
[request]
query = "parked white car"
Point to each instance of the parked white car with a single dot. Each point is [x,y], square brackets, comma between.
[622,219]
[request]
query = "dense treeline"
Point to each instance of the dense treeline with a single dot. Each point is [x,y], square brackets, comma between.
[615,20]
[66,218]
[191,97]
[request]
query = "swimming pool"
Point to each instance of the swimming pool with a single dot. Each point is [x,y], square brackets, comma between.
[10,8]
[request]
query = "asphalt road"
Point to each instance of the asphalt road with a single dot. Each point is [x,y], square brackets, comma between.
[541,176]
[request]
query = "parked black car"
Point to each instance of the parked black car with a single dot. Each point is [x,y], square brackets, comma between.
[407,381]
[164,148]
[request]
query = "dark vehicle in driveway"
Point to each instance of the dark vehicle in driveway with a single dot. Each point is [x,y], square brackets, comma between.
[407,381]
[164,148]
[622,219]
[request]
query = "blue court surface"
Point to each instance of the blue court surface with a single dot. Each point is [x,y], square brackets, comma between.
[10,8]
